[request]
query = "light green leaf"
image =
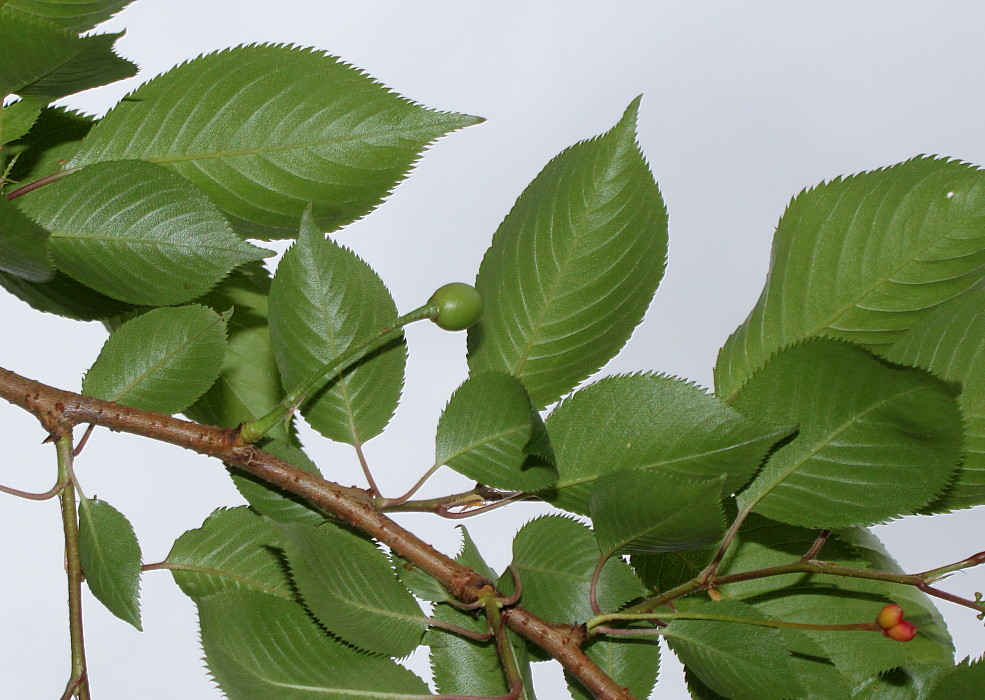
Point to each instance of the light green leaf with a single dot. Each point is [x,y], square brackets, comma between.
[484,433]
[874,442]
[273,502]
[64,296]
[909,683]
[137,232]
[22,245]
[248,385]
[325,300]
[738,660]
[234,550]
[350,586]
[573,267]
[636,511]
[945,342]
[651,422]
[76,15]
[299,660]
[110,556]
[160,361]
[821,599]
[632,663]
[863,258]
[266,130]
[556,557]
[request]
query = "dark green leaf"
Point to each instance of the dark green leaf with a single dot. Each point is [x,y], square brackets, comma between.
[137,232]
[632,663]
[160,361]
[863,258]
[485,431]
[44,150]
[555,558]
[874,442]
[277,504]
[325,300]
[234,550]
[17,119]
[573,267]
[65,297]
[297,127]
[76,15]
[110,557]
[22,245]
[92,63]
[663,572]
[350,586]
[941,342]
[260,647]
[652,422]
[636,511]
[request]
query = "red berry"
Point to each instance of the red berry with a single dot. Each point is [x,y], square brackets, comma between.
[890,616]
[902,632]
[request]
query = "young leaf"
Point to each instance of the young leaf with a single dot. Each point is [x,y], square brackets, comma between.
[874,442]
[22,245]
[75,15]
[299,661]
[323,301]
[277,504]
[573,266]
[940,342]
[632,663]
[110,557]
[138,233]
[350,586]
[556,557]
[637,511]
[160,361]
[733,658]
[234,550]
[297,127]
[484,433]
[863,258]
[651,422]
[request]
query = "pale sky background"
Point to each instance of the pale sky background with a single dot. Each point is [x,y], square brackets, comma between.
[744,105]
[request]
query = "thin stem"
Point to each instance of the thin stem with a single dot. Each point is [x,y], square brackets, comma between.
[46,180]
[709,572]
[85,438]
[392,503]
[78,685]
[514,680]
[943,571]
[459,515]
[593,587]
[478,636]
[253,430]
[817,546]
[50,493]
[473,497]
[595,622]
[374,490]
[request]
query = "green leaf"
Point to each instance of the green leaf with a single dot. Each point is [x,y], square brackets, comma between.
[940,343]
[44,150]
[863,258]
[137,232]
[632,663]
[324,300]
[22,245]
[738,660]
[651,422]
[910,683]
[636,511]
[824,599]
[422,585]
[260,647]
[248,385]
[160,361]
[484,433]
[76,15]
[110,557]
[666,571]
[875,442]
[573,266]
[294,126]
[350,586]
[18,118]
[92,63]
[273,502]
[64,296]
[234,550]
[965,681]
[556,557]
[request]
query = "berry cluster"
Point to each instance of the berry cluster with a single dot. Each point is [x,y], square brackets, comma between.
[894,626]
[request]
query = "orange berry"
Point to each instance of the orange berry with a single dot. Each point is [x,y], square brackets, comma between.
[890,616]
[902,632]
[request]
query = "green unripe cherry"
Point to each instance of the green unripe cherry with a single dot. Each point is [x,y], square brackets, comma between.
[459,306]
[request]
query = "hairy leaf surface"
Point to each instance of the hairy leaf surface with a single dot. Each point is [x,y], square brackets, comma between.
[573,266]
[234,550]
[947,342]
[160,361]
[651,422]
[265,130]
[874,442]
[350,586]
[110,556]
[257,646]
[863,258]
[137,232]
[485,431]
[325,300]
[75,15]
